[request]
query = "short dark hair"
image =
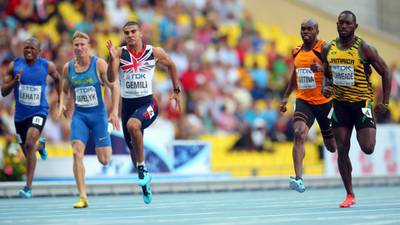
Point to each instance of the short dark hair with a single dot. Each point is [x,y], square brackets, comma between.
[351,13]
[131,23]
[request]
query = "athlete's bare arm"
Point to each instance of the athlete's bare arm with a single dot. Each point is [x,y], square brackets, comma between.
[371,55]
[327,88]
[102,69]
[163,58]
[114,57]
[66,102]
[290,87]
[9,80]
[52,70]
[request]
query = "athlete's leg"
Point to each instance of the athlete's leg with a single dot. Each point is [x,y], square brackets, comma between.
[134,127]
[78,148]
[300,136]
[343,135]
[366,138]
[79,138]
[102,138]
[325,124]
[29,148]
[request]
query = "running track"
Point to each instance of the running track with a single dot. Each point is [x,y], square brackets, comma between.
[375,206]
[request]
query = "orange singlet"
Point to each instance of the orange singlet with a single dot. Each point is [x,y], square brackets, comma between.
[309,84]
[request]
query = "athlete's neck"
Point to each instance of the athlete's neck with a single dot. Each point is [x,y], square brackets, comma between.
[136,48]
[309,45]
[346,42]
[30,62]
[83,60]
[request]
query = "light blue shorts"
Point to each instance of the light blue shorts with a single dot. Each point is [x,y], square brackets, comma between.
[95,123]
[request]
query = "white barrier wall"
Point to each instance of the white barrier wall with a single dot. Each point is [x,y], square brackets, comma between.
[384,161]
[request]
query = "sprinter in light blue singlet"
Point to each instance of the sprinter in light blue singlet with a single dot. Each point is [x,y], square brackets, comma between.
[82,77]
[90,113]
[27,77]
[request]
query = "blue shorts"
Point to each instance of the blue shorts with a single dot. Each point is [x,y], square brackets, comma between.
[144,109]
[84,123]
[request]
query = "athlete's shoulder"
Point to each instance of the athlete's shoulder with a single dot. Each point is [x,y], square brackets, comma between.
[326,47]
[296,50]
[19,60]
[320,44]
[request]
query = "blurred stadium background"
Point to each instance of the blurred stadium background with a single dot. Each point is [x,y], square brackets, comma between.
[233,60]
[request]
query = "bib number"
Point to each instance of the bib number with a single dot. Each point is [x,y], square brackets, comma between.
[37,120]
[29,95]
[305,78]
[86,97]
[343,75]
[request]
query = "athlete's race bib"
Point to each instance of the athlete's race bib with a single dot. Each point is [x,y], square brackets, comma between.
[305,78]
[343,75]
[29,95]
[86,97]
[135,85]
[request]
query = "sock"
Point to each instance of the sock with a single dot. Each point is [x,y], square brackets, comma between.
[141,171]
[26,188]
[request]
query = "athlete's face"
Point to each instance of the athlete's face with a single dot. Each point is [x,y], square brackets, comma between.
[346,25]
[132,34]
[31,50]
[81,46]
[308,32]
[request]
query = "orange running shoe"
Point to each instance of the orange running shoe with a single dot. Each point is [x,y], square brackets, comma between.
[349,201]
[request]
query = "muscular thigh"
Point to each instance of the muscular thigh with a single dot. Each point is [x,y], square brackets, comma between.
[98,125]
[79,128]
[322,112]
[342,115]
[303,112]
[364,114]
[21,127]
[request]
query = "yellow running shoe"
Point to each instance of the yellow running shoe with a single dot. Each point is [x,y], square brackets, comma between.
[82,203]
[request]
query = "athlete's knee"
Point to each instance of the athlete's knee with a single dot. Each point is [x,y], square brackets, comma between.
[330,144]
[368,148]
[104,155]
[134,125]
[343,150]
[78,154]
[30,144]
[300,135]
[104,160]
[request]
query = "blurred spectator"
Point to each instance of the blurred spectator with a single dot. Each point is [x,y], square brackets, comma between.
[231,72]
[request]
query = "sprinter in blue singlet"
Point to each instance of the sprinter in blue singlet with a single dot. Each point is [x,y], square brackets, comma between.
[27,77]
[135,64]
[82,77]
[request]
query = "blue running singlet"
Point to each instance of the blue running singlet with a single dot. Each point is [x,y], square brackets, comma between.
[30,93]
[90,113]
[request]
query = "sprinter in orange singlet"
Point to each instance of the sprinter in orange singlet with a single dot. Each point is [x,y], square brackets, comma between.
[307,78]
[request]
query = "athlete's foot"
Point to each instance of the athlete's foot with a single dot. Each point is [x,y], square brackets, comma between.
[297,184]
[81,203]
[144,181]
[42,148]
[349,201]
[25,192]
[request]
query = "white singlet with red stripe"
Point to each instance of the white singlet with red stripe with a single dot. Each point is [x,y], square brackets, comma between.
[136,72]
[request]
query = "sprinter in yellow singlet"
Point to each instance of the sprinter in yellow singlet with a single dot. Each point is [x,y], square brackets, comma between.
[347,61]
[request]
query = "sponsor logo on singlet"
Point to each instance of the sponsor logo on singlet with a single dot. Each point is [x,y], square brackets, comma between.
[305,78]
[86,97]
[29,95]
